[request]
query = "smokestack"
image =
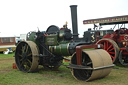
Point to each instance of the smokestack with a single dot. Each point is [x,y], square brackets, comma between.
[74,21]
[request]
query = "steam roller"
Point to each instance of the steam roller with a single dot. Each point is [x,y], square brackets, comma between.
[49,48]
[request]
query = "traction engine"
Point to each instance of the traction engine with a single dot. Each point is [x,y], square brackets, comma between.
[49,48]
[114,42]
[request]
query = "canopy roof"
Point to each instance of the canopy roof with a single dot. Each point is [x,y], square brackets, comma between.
[108,20]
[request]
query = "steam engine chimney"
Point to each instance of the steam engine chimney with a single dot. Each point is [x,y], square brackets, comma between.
[74,21]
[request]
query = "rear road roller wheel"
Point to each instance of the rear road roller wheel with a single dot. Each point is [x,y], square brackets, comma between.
[111,47]
[26,56]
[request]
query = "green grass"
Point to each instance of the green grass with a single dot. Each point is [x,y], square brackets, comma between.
[5,56]
[9,76]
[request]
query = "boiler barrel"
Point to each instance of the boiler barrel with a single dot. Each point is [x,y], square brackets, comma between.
[61,49]
[98,62]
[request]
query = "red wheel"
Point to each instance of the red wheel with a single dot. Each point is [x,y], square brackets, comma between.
[111,47]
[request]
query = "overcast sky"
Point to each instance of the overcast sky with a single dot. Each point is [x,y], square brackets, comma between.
[21,16]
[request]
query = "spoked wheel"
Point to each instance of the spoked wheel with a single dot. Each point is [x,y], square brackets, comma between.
[26,56]
[81,74]
[111,47]
[123,59]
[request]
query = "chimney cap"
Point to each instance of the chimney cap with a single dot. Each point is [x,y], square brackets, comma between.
[73,5]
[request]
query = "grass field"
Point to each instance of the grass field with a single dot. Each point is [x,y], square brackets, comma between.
[9,76]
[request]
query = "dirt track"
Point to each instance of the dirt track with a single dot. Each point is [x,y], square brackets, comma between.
[6,60]
[6,64]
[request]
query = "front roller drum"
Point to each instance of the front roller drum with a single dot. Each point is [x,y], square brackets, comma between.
[96,63]
[26,56]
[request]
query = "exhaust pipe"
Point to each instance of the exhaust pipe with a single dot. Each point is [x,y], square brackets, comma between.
[74,21]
